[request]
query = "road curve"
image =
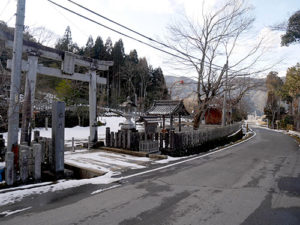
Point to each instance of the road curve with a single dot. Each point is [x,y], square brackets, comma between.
[256,182]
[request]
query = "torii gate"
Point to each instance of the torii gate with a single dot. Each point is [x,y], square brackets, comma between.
[69,60]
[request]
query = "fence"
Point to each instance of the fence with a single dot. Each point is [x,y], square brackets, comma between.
[189,142]
[174,143]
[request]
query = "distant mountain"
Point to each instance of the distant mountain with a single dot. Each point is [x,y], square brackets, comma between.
[178,89]
[255,99]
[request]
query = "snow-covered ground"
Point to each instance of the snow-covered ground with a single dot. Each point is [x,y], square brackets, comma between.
[12,196]
[81,134]
[9,196]
[111,164]
[103,162]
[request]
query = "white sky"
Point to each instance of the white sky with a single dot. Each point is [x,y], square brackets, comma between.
[149,18]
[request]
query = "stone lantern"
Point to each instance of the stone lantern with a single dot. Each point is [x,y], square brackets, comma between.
[128,106]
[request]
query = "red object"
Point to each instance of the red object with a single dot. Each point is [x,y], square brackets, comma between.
[15,150]
[181,82]
[213,116]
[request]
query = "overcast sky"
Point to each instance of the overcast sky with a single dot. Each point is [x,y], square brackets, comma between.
[150,17]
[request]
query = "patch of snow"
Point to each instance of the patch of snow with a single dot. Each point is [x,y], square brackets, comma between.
[234,133]
[169,159]
[295,133]
[105,189]
[105,161]
[8,212]
[25,187]
[81,134]
[2,164]
[77,151]
[18,195]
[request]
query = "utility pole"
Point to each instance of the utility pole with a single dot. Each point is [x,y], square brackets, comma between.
[225,96]
[14,101]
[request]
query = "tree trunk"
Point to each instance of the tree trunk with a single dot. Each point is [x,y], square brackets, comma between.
[79,120]
[199,117]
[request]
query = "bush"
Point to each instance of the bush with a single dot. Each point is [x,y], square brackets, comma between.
[286,122]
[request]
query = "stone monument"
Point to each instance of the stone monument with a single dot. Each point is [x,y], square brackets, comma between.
[58,138]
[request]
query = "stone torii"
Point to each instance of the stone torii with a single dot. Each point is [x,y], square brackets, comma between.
[68,61]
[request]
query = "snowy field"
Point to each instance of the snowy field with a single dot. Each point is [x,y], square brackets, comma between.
[81,134]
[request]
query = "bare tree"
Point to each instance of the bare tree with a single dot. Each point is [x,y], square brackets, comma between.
[213,40]
[4,96]
[42,35]
[128,74]
[143,72]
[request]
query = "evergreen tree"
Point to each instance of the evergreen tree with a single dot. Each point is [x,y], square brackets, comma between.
[89,47]
[272,108]
[292,34]
[133,56]
[65,43]
[118,56]
[98,51]
[108,49]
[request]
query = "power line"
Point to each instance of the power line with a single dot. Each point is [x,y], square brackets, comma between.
[10,18]
[8,1]
[138,33]
[123,34]
[70,21]
[133,38]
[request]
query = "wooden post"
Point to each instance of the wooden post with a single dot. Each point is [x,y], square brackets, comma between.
[161,140]
[128,139]
[107,137]
[46,123]
[115,140]
[112,139]
[120,139]
[167,140]
[36,135]
[73,145]
[93,107]
[171,122]
[172,139]
[179,118]
[27,109]
[164,122]
[123,139]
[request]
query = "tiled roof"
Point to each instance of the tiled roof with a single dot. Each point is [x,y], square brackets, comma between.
[167,107]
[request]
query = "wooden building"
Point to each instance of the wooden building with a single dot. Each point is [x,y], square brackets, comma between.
[168,109]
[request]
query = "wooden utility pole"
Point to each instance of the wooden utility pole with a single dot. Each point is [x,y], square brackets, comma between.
[14,101]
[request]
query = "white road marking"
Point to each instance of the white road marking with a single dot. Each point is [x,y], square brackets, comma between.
[8,212]
[105,189]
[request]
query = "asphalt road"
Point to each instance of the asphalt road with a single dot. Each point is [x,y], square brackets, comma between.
[256,182]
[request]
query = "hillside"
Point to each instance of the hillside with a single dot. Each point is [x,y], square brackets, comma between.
[255,100]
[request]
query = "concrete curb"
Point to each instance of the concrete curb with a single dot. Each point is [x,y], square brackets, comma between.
[138,154]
